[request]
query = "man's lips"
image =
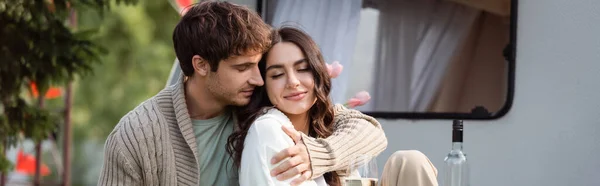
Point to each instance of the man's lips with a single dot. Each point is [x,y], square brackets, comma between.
[247,92]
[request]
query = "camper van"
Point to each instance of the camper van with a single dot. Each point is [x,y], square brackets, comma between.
[523,76]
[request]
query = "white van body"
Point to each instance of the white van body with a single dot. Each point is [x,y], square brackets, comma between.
[551,135]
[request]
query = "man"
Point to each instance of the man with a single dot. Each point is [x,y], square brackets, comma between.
[178,136]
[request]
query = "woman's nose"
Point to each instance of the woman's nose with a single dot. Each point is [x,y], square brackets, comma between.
[293,81]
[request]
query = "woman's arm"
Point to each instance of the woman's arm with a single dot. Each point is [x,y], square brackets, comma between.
[354,133]
[264,139]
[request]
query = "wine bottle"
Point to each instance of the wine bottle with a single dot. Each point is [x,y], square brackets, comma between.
[457,169]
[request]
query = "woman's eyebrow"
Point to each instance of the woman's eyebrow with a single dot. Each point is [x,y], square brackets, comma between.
[281,66]
[300,61]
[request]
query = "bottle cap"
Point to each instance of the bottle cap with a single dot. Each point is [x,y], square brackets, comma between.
[457,124]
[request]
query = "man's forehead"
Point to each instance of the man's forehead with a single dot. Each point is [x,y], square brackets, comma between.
[253,57]
[252,52]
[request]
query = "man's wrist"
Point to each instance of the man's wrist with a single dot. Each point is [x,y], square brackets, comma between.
[304,139]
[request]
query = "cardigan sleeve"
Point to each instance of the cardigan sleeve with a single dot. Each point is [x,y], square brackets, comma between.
[354,133]
[117,168]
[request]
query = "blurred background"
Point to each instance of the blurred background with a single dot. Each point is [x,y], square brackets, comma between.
[135,65]
[140,55]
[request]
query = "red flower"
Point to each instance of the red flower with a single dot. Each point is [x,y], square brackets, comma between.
[53,92]
[182,5]
[26,165]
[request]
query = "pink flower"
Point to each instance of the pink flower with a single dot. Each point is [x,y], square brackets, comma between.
[353,102]
[335,69]
[359,99]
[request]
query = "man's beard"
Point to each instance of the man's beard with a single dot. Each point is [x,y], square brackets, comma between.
[227,97]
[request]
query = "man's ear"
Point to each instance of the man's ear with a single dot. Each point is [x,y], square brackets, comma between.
[200,65]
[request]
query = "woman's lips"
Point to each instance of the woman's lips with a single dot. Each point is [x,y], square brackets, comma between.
[295,96]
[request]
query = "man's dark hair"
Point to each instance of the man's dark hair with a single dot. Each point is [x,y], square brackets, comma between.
[216,31]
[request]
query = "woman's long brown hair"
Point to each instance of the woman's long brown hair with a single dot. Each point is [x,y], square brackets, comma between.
[320,114]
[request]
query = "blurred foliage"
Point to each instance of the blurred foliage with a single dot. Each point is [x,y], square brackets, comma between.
[139,59]
[118,56]
[38,46]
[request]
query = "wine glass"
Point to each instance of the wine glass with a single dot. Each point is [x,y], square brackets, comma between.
[362,171]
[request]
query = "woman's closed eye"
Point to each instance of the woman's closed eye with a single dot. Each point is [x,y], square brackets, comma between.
[307,69]
[275,76]
[303,67]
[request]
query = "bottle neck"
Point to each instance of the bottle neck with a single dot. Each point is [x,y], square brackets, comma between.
[457,139]
[457,146]
[457,135]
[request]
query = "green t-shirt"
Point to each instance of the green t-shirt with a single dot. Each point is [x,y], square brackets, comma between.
[215,164]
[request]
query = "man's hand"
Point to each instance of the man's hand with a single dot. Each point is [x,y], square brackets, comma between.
[299,162]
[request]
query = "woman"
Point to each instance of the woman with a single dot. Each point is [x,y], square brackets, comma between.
[295,94]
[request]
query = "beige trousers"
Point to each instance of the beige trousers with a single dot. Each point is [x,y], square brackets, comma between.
[409,168]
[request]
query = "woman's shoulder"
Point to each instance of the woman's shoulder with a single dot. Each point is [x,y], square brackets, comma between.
[266,130]
[270,122]
[273,115]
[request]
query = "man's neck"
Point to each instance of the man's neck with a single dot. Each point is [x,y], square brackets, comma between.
[300,122]
[200,103]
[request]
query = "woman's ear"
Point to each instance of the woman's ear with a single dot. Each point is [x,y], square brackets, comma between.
[200,65]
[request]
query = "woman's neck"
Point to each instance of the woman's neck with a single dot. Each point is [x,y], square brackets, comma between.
[300,122]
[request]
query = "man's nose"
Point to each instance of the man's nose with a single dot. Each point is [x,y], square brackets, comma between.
[256,79]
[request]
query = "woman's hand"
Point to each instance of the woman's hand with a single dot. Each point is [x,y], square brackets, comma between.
[298,162]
